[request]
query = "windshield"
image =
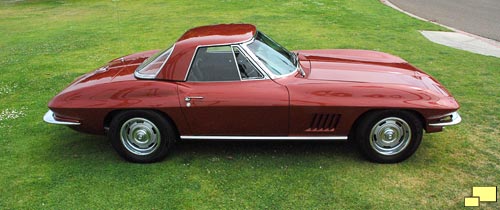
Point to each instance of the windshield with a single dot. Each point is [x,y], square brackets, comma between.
[150,67]
[277,59]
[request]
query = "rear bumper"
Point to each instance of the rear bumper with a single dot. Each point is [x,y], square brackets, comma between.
[50,118]
[455,119]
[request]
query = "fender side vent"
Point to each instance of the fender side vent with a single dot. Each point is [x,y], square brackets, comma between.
[323,123]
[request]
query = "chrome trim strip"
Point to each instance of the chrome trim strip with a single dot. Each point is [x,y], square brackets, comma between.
[49,118]
[264,137]
[455,119]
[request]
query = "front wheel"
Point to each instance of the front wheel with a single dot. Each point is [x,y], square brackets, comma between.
[389,136]
[141,136]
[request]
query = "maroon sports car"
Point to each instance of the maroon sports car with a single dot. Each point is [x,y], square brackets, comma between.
[232,82]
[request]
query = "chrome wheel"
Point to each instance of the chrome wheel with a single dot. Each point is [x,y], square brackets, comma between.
[390,136]
[140,136]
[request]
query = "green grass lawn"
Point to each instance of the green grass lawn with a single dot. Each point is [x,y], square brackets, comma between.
[44,45]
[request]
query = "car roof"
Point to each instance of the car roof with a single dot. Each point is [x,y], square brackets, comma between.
[219,34]
[211,35]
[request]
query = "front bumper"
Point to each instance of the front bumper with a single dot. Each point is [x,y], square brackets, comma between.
[50,118]
[455,119]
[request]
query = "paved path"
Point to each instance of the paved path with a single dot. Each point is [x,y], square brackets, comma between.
[480,17]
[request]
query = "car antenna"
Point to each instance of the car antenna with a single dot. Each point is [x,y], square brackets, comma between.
[302,72]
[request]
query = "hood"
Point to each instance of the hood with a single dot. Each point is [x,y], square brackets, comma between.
[365,66]
[122,68]
[348,55]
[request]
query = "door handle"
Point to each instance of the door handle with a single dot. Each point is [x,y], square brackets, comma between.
[189,98]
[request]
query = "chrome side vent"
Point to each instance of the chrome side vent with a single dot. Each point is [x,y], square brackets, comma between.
[324,123]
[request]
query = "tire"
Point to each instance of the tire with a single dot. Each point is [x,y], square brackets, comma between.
[389,136]
[141,136]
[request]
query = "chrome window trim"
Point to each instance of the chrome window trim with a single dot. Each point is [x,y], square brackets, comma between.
[298,62]
[235,62]
[191,62]
[264,137]
[262,66]
[218,45]
[264,76]
[251,59]
[148,76]
[256,60]
[215,45]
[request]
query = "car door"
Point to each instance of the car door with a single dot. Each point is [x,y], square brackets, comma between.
[226,95]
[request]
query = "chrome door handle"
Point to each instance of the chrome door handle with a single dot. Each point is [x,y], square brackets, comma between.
[189,98]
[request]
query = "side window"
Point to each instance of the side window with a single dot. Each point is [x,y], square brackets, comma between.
[246,68]
[213,64]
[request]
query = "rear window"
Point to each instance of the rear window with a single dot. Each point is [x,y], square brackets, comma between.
[151,67]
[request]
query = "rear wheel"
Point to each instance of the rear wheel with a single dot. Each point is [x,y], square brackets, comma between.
[389,136]
[141,135]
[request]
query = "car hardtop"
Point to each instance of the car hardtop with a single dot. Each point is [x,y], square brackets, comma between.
[212,35]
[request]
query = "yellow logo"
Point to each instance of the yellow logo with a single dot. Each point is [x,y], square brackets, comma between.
[481,194]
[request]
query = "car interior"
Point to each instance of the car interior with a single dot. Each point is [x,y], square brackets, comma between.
[213,65]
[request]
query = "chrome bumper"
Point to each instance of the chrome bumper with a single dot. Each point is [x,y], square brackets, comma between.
[49,118]
[455,119]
